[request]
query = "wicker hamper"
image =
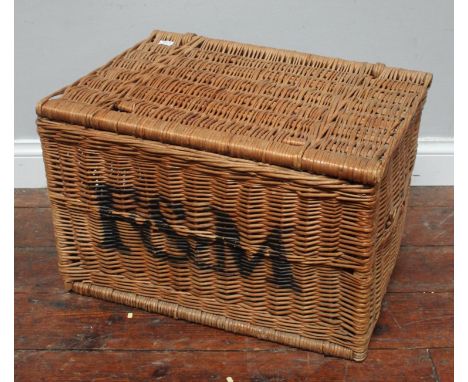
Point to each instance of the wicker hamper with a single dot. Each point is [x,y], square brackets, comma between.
[256,190]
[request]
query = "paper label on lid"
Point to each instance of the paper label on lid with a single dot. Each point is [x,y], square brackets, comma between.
[166,42]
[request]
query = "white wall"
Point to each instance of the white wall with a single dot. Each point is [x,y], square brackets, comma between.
[57,41]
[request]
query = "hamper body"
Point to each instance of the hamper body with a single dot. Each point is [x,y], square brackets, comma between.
[248,242]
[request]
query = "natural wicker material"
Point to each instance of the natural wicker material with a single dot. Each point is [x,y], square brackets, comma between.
[252,189]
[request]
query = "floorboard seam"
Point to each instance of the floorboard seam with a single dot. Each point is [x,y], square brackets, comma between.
[435,374]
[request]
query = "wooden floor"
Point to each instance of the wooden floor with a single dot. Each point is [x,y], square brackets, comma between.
[66,337]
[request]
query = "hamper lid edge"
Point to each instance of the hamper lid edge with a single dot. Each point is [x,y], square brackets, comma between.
[315,160]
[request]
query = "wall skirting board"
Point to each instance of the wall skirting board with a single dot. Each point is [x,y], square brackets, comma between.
[434,163]
[29,167]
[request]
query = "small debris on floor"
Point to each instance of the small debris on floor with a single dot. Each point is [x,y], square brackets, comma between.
[130,315]
[229,379]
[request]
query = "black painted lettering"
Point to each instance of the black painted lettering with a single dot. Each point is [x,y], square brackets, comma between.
[227,234]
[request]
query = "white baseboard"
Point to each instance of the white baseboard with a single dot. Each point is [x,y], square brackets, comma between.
[434,163]
[29,167]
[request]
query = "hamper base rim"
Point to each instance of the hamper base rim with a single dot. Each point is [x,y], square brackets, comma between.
[177,311]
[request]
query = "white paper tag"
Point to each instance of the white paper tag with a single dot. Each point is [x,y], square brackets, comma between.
[166,42]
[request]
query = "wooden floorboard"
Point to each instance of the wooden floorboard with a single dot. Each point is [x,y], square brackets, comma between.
[423,269]
[381,365]
[33,227]
[434,196]
[31,197]
[428,226]
[62,336]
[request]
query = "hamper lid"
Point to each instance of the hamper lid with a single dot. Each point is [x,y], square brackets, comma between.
[322,115]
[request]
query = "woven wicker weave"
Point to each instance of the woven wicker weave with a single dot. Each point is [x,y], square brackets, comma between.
[251,189]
